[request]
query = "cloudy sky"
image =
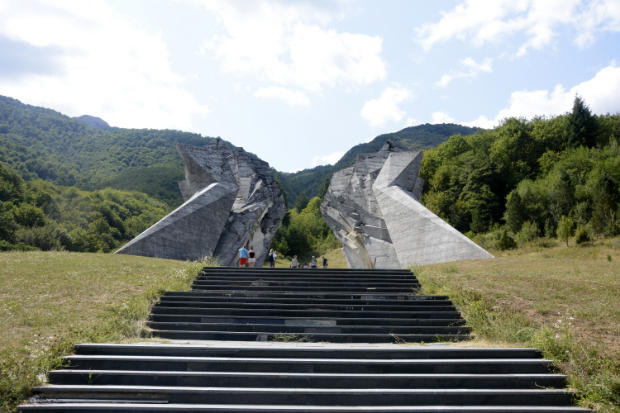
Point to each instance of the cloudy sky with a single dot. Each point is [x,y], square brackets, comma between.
[300,82]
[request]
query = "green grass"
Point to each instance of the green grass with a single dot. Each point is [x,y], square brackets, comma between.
[50,301]
[563,300]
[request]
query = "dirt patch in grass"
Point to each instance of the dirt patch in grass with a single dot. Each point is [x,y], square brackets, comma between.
[51,300]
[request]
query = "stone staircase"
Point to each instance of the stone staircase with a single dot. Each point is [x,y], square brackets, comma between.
[334,352]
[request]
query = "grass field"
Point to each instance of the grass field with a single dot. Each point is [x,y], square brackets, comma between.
[564,300]
[51,300]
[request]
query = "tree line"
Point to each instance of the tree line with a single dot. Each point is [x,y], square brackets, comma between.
[41,143]
[38,215]
[303,231]
[529,178]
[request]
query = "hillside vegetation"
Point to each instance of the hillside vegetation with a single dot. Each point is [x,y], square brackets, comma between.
[414,138]
[40,215]
[43,144]
[545,176]
[304,232]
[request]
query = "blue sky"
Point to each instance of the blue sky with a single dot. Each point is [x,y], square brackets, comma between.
[300,82]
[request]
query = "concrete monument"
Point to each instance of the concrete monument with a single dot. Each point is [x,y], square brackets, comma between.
[374,211]
[231,200]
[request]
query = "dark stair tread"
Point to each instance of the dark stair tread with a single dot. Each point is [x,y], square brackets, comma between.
[161,389]
[398,352]
[312,305]
[385,376]
[274,360]
[241,408]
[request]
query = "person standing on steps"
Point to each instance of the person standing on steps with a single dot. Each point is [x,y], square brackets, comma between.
[294,262]
[252,257]
[272,259]
[243,256]
[324,261]
[313,263]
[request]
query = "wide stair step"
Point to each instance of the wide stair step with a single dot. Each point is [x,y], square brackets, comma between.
[231,360]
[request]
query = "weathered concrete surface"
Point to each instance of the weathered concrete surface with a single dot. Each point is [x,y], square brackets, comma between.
[374,210]
[230,200]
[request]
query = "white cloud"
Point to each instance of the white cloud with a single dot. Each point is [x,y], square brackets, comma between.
[284,43]
[478,67]
[413,122]
[441,117]
[385,108]
[481,21]
[105,66]
[327,159]
[471,69]
[601,93]
[290,97]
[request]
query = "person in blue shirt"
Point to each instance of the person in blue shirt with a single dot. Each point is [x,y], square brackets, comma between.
[243,256]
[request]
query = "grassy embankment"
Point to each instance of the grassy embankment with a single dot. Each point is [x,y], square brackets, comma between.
[51,300]
[563,300]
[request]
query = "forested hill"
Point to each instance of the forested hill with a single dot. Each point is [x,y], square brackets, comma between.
[411,138]
[42,143]
[538,177]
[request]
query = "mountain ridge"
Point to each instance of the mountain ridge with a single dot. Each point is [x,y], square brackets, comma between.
[41,143]
[412,138]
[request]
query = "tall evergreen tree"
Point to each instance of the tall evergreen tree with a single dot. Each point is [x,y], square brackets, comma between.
[580,126]
[514,215]
[324,187]
[281,187]
[563,193]
[605,199]
[301,202]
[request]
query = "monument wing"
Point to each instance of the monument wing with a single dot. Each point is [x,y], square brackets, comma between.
[374,211]
[231,200]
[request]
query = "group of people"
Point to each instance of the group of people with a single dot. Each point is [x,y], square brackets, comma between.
[247,258]
[313,263]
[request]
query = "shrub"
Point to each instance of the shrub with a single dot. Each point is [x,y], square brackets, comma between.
[7,246]
[529,232]
[43,238]
[582,235]
[29,216]
[565,229]
[506,242]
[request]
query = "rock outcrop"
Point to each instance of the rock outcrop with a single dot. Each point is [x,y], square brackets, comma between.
[374,211]
[230,200]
